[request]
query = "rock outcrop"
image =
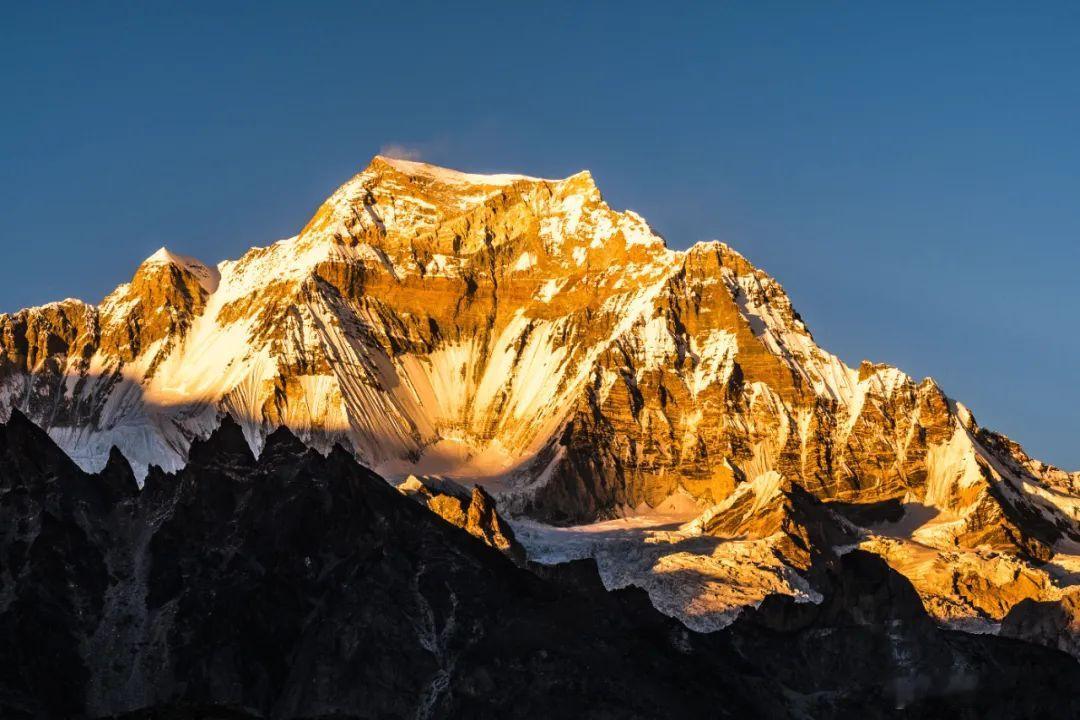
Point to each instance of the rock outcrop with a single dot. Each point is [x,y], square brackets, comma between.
[1054,623]
[473,512]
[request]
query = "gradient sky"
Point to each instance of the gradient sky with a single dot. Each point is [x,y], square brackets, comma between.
[909,171]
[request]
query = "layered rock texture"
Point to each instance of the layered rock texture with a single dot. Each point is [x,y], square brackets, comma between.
[302,586]
[519,334]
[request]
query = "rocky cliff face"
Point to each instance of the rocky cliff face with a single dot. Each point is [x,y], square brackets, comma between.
[519,333]
[1054,623]
[472,511]
[297,585]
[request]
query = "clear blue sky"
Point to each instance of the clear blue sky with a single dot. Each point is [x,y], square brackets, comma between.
[909,171]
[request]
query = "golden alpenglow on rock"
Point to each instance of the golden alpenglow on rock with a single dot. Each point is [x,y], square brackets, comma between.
[665,412]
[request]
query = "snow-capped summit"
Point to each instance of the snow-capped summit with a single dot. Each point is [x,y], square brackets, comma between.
[416,169]
[208,277]
[521,333]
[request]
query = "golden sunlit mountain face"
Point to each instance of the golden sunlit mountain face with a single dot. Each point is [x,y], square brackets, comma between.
[520,334]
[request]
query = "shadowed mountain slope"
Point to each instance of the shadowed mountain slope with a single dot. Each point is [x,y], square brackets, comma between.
[298,585]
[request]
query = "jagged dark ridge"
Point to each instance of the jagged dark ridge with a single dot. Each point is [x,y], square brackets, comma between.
[298,585]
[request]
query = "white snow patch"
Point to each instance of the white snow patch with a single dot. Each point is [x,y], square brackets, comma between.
[549,289]
[524,262]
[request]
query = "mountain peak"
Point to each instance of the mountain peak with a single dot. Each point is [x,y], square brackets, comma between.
[161,255]
[207,276]
[457,181]
[447,176]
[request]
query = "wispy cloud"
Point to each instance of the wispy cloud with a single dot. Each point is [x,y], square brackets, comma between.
[400,151]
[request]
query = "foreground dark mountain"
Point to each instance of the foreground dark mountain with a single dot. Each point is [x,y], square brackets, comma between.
[298,585]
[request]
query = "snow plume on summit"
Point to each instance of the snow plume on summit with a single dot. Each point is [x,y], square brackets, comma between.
[400,151]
